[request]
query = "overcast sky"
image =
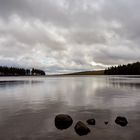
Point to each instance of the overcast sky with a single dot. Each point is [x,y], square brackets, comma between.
[69,35]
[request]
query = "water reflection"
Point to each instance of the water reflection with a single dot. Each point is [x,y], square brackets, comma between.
[125,81]
[27,110]
[13,83]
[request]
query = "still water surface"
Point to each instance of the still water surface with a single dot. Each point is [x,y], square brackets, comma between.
[28,106]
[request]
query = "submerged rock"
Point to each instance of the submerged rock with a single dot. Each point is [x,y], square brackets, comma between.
[63,121]
[122,121]
[106,122]
[91,121]
[81,129]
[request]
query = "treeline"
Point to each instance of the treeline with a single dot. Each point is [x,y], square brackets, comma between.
[37,72]
[12,71]
[129,69]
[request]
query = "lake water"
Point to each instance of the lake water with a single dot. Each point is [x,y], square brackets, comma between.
[28,106]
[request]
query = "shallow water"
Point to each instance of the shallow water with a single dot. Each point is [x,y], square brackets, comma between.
[28,106]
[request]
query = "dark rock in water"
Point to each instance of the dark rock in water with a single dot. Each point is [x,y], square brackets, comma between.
[106,122]
[122,121]
[81,129]
[91,121]
[63,121]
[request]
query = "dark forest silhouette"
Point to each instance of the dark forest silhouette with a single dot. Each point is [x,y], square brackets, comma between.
[129,69]
[13,71]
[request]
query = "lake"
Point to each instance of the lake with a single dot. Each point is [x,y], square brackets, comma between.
[28,106]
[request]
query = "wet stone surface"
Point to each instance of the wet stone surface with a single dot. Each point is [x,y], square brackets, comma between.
[91,121]
[63,121]
[122,121]
[106,122]
[81,129]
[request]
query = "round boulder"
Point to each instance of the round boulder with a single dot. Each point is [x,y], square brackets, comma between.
[81,129]
[63,121]
[91,121]
[122,121]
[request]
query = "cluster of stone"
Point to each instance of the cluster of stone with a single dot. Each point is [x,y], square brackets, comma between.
[64,121]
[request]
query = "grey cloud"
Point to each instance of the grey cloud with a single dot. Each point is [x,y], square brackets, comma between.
[67,36]
[86,37]
[29,9]
[125,12]
[116,56]
[30,34]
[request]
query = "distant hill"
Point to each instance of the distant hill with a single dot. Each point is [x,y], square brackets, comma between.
[129,69]
[100,72]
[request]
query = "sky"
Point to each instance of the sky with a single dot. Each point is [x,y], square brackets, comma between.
[62,36]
